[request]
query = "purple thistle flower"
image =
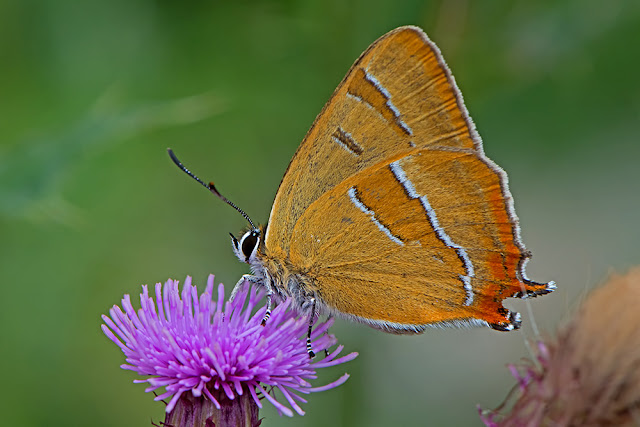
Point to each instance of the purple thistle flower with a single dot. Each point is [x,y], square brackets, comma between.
[192,343]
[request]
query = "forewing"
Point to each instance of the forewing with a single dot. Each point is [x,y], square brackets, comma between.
[397,96]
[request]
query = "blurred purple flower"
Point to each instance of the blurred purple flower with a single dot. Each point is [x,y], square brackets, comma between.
[589,375]
[192,343]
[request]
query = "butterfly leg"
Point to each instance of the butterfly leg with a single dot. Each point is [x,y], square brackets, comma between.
[267,313]
[254,279]
[312,317]
[245,278]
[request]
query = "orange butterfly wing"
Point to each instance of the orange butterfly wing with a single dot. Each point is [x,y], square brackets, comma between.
[357,127]
[391,208]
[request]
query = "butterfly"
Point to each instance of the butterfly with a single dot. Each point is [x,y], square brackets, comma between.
[390,214]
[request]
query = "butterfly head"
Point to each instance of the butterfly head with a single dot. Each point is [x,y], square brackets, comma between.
[247,247]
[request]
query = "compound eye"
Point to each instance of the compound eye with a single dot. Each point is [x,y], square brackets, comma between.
[249,242]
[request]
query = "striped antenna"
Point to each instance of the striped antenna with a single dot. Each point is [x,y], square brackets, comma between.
[209,186]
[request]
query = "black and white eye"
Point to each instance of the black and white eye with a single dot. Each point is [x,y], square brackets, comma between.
[245,248]
[249,242]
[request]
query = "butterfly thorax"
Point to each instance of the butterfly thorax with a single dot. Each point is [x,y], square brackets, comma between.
[283,279]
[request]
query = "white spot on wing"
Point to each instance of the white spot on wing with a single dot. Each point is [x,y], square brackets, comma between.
[402,178]
[356,201]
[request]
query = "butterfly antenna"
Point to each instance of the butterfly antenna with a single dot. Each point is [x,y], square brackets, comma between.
[215,191]
[209,187]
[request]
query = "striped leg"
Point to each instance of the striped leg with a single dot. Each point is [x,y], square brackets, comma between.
[311,319]
[267,314]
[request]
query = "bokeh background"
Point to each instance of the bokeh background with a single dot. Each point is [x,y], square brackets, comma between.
[92,93]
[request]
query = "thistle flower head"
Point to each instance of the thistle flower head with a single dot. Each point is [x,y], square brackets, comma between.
[189,343]
[590,374]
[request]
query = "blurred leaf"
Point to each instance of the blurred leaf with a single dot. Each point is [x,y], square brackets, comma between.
[33,173]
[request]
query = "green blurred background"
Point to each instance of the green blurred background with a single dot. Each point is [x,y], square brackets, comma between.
[91,207]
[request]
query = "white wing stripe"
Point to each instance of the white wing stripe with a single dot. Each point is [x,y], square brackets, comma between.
[402,178]
[356,201]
